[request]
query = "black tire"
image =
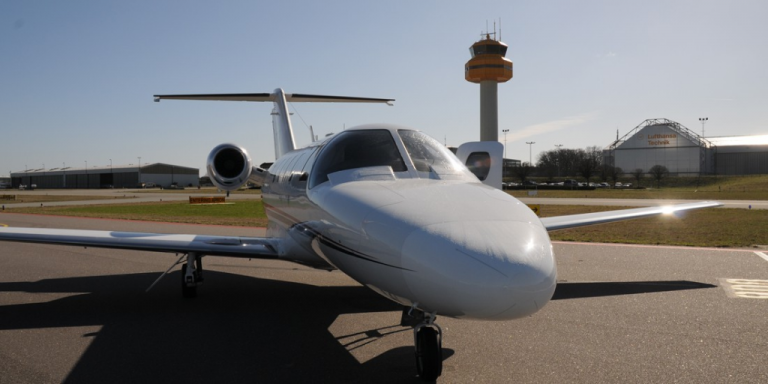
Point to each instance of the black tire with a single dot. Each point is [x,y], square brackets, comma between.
[429,355]
[187,292]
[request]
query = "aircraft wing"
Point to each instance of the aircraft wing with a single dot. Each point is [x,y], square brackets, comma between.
[249,247]
[571,221]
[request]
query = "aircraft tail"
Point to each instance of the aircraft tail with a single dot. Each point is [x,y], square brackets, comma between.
[281,120]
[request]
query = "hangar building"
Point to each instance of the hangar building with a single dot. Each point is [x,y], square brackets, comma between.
[119,176]
[685,153]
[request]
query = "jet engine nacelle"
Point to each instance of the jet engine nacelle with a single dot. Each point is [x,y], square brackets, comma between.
[229,166]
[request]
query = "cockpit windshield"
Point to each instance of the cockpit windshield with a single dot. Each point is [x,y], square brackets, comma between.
[432,159]
[357,149]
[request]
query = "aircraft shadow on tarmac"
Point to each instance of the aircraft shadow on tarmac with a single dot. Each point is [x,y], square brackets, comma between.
[567,290]
[240,329]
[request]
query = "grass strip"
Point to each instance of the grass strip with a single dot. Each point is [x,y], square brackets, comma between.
[241,213]
[195,191]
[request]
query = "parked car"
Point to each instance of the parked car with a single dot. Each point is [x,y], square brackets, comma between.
[618,184]
[571,183]
[604,185]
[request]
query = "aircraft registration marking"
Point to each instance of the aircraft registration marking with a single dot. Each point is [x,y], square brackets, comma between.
[745,288]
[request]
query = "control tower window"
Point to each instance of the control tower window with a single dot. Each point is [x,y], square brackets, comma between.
[357,149]
[488,49]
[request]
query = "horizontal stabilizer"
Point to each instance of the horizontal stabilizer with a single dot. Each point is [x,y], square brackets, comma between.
[281,122]
[220,97]
[572,221]
[295,97]
[299,97]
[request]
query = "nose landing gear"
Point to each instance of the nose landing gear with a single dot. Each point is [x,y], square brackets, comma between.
[428,339]
[191,275]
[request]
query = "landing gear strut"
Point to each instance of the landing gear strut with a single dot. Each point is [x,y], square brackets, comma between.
[428,338]
[191,275]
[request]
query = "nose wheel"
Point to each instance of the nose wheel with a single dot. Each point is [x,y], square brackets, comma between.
[428,338]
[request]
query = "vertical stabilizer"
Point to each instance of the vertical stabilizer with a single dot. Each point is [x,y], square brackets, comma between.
[281,125]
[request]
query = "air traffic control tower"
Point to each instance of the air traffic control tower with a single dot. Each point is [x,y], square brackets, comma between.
[489,67]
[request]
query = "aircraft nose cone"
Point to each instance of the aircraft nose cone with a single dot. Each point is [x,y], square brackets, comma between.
[481,269]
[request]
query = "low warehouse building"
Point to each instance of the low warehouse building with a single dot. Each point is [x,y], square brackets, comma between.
[119,176]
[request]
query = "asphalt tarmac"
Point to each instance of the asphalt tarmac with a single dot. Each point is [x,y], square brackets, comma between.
[620,314]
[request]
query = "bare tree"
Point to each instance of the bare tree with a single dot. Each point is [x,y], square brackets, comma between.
[562,162]
[568,160]
[547,164]
[589,162]
[523,171]
[615,173]
[658,172]
[638,175]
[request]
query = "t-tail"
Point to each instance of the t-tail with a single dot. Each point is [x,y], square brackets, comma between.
[229,165]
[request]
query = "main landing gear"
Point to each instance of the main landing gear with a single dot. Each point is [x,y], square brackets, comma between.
[191,275]
[428,338]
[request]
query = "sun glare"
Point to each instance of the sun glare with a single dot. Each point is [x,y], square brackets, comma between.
[667,210]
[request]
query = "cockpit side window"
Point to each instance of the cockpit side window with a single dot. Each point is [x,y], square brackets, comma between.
[357,149]
[431,159]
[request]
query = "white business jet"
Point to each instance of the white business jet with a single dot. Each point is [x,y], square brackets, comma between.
[389,206]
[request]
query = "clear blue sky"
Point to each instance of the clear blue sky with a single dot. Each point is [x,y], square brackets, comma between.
[77,77]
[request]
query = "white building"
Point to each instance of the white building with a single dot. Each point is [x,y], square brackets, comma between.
[683,152]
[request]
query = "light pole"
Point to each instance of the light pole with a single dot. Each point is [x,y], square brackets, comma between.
[530,152]
[64,174]
[703,121]
[505,141]
[558,158]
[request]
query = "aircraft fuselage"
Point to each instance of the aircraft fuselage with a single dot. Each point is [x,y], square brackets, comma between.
[411,224]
